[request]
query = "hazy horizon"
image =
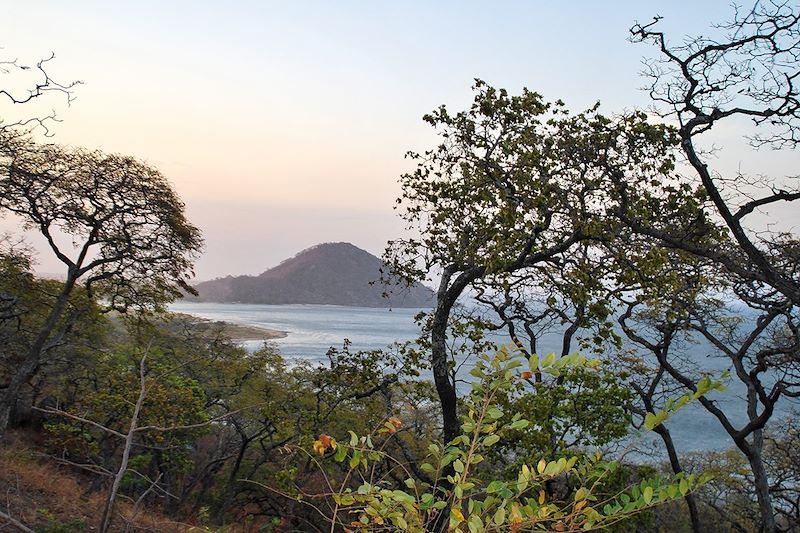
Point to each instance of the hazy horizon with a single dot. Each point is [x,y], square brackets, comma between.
[285,125]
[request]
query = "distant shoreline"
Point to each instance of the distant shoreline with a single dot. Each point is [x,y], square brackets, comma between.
[237,332]
[240,332]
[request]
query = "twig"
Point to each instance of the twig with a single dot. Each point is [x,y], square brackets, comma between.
[16,523]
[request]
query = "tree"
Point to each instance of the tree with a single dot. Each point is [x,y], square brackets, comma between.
[749,71]
[144,404]
[522,193]
[758,342]
[27,84]
[26,303]
[15,279]
[517,185]
[730,499]
[132,245]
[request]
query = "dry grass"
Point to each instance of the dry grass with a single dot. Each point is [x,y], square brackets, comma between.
[47,497]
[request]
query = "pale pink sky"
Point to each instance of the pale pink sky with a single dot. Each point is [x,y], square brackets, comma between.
[284,124]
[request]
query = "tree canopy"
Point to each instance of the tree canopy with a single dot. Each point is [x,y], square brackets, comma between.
[129,242]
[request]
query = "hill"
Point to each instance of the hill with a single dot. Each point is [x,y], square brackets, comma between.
[330,274]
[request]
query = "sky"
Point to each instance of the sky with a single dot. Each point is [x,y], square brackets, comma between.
[285,124]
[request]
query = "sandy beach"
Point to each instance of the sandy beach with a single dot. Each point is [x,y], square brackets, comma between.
[237,332]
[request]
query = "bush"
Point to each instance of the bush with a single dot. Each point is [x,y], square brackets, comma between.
[564,494]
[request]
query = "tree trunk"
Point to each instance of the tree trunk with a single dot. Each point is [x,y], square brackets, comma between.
[761,482]
[108,512]
[675,463]
[446,391]
[230,489]
[446,298]
[441,377]
[27,369]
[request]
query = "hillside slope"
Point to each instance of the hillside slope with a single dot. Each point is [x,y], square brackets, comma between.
[330,273]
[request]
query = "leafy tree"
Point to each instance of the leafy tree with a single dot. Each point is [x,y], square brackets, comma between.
[132,245]
[26,303]
[15,277]
[519,186]
[135,404]
[574,409]
[258,403]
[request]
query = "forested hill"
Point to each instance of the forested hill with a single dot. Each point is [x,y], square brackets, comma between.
[330,273]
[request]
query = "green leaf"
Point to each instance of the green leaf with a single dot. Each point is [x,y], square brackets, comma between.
[491,439]
[522,483]
[647,493]
[426,501]
[703,386]
[400,496]
[341,453]
[499,517]
[494,486]
[475,524]
[519,424]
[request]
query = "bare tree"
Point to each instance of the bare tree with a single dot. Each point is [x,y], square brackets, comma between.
[749,71]
[21,83]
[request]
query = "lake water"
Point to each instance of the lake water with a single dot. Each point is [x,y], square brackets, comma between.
[313,329]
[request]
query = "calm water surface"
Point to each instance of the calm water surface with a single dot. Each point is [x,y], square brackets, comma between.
[313,329]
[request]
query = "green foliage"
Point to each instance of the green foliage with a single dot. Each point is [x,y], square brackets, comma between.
[25,302]
[258,403]
[54,525]
[132,243]
[515,176]
[704,385]
[567,405]
[172,400]
[524,502]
